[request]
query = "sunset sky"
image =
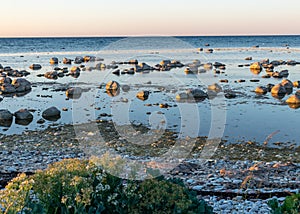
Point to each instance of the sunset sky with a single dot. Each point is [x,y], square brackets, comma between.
[20,18]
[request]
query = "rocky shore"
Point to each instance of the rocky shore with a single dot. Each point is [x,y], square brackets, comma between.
[231,184]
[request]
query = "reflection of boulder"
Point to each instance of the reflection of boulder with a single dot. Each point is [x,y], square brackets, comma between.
[23,122]
[6,118]
[112,85]
[74,93]
[113,93]
[143,95]
[52,114]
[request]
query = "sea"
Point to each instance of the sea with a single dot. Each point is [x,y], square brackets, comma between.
[247,117]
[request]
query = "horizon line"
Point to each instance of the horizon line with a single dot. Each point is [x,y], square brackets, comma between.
[141,35]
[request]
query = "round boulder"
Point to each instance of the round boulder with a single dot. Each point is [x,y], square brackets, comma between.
[51,114]
[287,84]
[21,85]
[5,115]
[7,88]
[278,89]
[256,66]
[23,114]
[294,99]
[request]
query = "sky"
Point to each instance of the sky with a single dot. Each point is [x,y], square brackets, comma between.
[30,18]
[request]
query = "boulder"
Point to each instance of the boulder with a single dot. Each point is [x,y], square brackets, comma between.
[214,87]
[79,60]
[5,80]
[21,85]
[196,93]
[51,113]
[51,75]
[278,89]
[7,88]
[112,85]
[5,115]
[23,114]
[75,70]
[294,99]
[287,84]
[261,90]
[296,84]
[35,66]
[74,93]
[143,95]
[256,66]
[67,61]
[54,61]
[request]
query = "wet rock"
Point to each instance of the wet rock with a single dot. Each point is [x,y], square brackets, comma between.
[256,67]
[54,61]
[142,67]
[278,89]
[21,85]
[35,66]
[296,84]
[5,80]
[67,61]
[261,90]
[294,99]
[23,114]
[7,88]
[51,114]
[51,75]
[287,84]
[196,93]
[112,85]
[143,95]
[284,73]
[78,60]
[5,115]
[74,93]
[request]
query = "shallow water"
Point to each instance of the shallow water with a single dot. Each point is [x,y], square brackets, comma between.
[248,117]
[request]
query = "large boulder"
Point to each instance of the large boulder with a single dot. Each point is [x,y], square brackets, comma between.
[51,114]
[7,88]
[54,61]
[294,99]
[35,66]
[256,66]
[23,114]
[287,84]
[5,114]
[21,85]
[278,90]
[51,75]
[74,93]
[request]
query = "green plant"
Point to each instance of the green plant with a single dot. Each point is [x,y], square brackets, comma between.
[291,205]
[81,186]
